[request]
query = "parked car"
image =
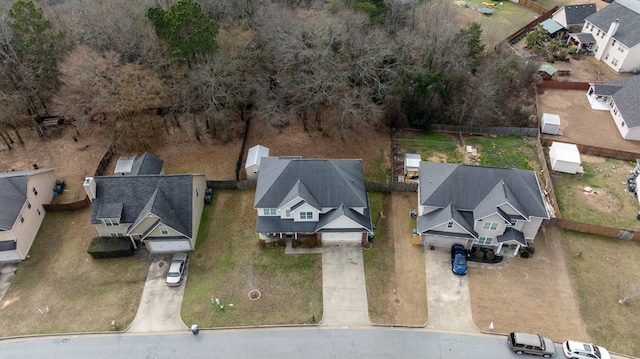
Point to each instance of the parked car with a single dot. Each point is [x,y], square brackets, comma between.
[523,343]
[176,269]
[580,350]
[458,259]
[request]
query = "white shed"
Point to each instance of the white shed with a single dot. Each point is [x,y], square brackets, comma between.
[412,164]
[252,166]
[550,123]
[565,157]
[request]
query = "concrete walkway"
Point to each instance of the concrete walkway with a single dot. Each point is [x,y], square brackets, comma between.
[7,272]
[448,297]
[159,309]
[343,286]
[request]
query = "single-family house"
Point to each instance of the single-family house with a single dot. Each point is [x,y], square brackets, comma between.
[620,98]
[146,164]
[162,212]
[254,156]
[318,199]
[22,196]
[615,38]
[478,206]
[571,17]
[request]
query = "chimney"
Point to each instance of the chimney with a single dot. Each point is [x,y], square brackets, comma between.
[90,187]
[614,27]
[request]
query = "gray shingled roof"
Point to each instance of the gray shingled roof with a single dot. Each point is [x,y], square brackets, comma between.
[511,234]
[575,14]
[330,181]
[467,187]
[442,216]
[147,164]
[13,194]
[626,99]
[605,90]
[167,196]
[585,37]
[363,220]
[628,32]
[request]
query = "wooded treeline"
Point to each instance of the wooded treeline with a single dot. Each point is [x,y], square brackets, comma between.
[334,65]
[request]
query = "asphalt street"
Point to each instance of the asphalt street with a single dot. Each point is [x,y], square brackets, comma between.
[257,343]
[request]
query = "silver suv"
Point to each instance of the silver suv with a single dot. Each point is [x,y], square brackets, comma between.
[522,343]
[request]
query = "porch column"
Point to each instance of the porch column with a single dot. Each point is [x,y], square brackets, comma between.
[499,248]
[515,253]
[133,242]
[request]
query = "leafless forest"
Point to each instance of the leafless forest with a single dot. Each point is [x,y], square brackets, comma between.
[332,65]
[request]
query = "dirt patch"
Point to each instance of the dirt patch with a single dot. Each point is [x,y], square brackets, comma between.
[532,295]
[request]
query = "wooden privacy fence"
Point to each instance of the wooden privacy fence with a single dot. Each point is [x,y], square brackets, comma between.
[548,190]
[67,207]
[503,131]
[526,28]
[564,85]
[246,184]
[533,6]
[595,229]
[391,186]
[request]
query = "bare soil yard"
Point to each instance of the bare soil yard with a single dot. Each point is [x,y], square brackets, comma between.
[532,295]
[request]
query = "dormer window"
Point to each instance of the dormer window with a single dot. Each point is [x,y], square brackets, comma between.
[306,215]
[109,222]
[269,211]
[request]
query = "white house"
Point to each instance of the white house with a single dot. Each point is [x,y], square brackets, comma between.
[22,196]
[615,35]
[620,98]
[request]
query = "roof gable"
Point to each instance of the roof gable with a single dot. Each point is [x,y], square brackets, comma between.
[13,194]
[628,19]
[626,99]
[575,14]
[167,196]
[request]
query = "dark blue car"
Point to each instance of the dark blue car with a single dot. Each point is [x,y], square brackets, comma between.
[458,259]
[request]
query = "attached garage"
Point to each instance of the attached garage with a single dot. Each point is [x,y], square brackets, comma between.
[335,238]
[441,241]
[168,246]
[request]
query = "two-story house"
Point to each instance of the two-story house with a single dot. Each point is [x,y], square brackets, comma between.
[161,211]
[613,36]
[323,199]
[478,206]
[22,196]
[620,98]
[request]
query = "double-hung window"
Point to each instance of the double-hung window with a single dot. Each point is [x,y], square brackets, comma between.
[269,211]
[490,226]
[306,215]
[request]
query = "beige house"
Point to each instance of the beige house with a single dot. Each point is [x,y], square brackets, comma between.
[162,212]
[22,195]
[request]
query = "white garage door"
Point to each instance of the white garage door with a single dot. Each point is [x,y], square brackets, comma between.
[168,246]
[440,241]
[341,238]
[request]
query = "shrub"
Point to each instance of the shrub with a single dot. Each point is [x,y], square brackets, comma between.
[531,250]
[524,254]
[262,244]
[110,247]
[479,254]
[490,255]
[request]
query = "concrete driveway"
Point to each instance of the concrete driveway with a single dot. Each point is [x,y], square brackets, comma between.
[343,286]
[448,297]
[7,272]
[159,309]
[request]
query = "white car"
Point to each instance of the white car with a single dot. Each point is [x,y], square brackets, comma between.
[579,350]
[176,269]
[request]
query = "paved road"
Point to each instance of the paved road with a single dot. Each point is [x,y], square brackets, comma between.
[278,343]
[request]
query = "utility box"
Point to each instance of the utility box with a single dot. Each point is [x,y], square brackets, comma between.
[550,124]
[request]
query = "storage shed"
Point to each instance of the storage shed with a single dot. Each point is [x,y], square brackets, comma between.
[412,164]
[252,166]
[550,123]
[565,157]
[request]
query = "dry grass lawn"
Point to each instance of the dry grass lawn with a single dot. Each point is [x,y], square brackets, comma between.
[228,264]
[601,269]
[531,295]
[82,294]
[394,269]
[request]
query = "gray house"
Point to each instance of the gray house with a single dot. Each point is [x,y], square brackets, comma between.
[478,206]
[322,199]
[161,211]
[572,16]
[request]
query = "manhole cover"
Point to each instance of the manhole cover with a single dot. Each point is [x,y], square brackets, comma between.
[254,294]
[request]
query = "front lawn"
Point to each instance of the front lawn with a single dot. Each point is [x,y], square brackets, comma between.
[227,264]
[602,269]
[61,289]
